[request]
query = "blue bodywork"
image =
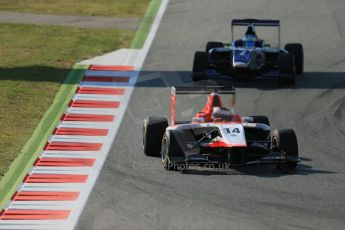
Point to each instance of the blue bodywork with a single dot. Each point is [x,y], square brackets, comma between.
[242,56]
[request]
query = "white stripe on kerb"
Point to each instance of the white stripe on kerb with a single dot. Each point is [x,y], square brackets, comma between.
[98,97]
[108,73]
[94,111]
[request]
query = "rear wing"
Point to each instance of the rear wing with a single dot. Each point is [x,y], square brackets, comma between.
[255,22]
[202,90]
[197,90]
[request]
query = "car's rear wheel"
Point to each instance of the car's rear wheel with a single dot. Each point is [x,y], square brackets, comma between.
[171,149]
[212,45]
[287,68]
[200,65]
[285,141]
[296,49]
[153,131]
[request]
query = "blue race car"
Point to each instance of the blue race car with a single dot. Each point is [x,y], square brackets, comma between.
[249,57]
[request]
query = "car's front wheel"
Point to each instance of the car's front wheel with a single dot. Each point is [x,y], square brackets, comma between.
[153,131]
[285,141]
[212,45]
[170,150]
[287,68]
[296,49]
[200,65]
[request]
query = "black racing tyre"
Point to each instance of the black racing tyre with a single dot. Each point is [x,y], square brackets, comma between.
[198,76]
[287,68]
[212,45]
[296,49]
[171,148]
[200,63]
[285,140]
[261,119]
[153,131]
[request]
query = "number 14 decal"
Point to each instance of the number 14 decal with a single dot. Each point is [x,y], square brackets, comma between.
[235,130]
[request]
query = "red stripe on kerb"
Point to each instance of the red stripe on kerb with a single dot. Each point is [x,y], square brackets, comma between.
[14,196]
[96,90]
[80,131]
[55,178]
[65,162]
[106,79]
[73,146]
[94,104]
[46,196]
[87,117]
[27,214]
[111,68]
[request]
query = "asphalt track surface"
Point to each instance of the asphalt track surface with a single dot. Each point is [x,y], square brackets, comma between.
[135,192]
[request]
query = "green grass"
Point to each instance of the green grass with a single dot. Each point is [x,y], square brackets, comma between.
[114,8]
[35,60]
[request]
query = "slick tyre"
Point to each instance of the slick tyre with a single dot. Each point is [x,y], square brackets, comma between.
[212,45]
[197,76]
[287,68]
[171,149]
[153,131]
[200,63]
[285,141]
[296,49]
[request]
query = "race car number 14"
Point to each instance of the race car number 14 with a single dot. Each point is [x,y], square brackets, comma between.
[235,130]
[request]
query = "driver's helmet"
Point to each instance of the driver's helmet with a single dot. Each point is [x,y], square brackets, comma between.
[221,113]
[249,40]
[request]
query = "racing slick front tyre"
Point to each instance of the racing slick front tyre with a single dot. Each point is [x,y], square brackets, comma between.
[285,141]
[296,49]
[200,64]
[287,68]
[171,149]
[212,45]
[153,131]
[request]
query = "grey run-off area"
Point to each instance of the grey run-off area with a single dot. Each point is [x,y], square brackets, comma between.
[135,192]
